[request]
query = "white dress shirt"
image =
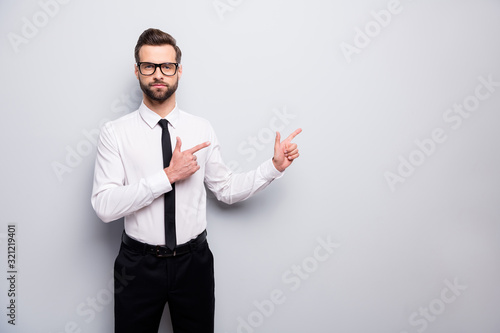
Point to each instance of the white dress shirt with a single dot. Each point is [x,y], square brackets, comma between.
[129,179]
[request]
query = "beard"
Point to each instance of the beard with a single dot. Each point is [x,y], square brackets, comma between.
[156,95]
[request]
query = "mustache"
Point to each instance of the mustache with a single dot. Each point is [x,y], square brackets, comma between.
[158,82]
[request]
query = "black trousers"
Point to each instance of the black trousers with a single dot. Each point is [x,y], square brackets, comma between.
[144,283]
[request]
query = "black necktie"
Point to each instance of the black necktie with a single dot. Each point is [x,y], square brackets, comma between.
[170,238]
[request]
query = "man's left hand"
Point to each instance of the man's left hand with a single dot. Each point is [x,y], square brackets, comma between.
[285,152]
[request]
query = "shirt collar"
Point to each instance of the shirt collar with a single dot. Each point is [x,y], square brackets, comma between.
[152,118]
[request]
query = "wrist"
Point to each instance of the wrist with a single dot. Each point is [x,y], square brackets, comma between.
[276,165]
[169,174]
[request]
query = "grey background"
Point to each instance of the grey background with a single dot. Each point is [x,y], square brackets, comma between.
[399,248]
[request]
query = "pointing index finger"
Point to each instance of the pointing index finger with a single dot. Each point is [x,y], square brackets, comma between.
[294,134]
[198,147]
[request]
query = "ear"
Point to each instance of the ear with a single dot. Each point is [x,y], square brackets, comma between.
[136,69]
[179,71]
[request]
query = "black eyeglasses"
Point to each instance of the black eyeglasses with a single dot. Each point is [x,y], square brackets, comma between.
[167,68]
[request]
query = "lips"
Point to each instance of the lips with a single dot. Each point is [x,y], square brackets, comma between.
[157,84]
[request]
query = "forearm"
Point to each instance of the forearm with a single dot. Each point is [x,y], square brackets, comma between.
[113,201]
[238,187]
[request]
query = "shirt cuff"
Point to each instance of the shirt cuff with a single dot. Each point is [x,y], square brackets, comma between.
[159,184]
[269,172]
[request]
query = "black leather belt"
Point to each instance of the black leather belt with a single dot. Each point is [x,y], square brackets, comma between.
[162,251]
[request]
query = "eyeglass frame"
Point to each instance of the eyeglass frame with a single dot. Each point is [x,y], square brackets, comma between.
[158,66]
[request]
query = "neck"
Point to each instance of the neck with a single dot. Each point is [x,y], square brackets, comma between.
[161,108]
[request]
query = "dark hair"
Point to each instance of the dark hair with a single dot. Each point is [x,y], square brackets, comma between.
[157,37]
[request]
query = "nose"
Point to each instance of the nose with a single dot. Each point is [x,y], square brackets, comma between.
[158,74]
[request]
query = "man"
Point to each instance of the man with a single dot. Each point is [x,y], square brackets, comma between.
[160,192]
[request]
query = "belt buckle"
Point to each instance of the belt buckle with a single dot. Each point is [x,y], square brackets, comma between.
[159,255]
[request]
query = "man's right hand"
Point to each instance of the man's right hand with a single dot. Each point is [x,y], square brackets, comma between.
[183,163]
